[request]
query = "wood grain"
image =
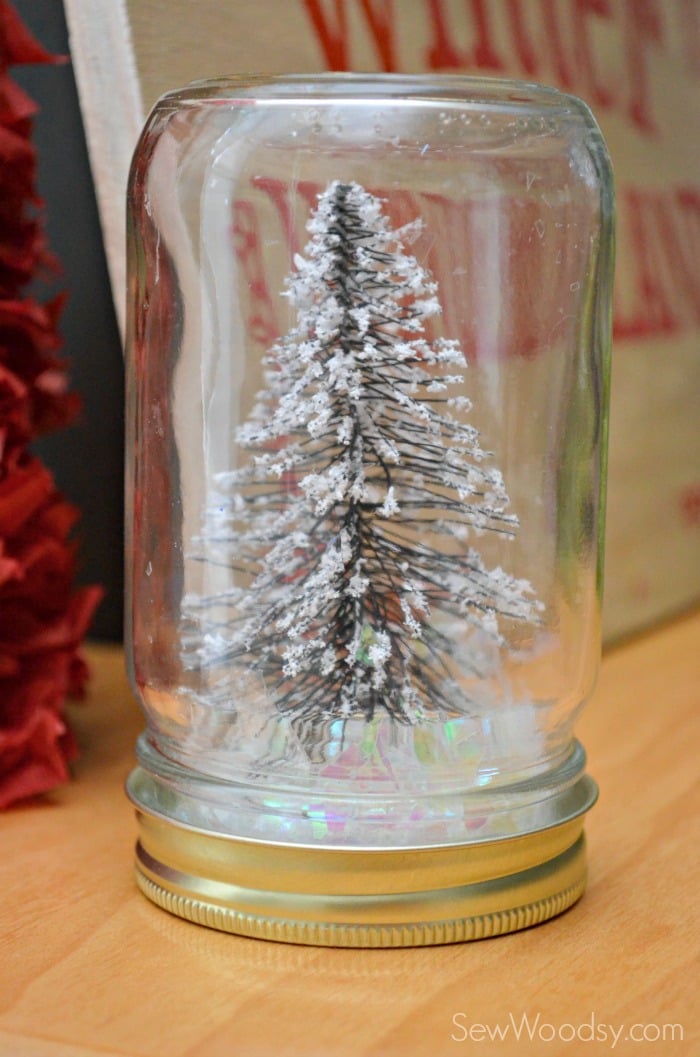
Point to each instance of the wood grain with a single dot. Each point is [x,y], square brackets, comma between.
[89,968]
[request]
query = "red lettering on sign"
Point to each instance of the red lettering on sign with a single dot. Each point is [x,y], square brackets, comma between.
[278,192]
[690,21]
[688,199]
[485,54]
[653,312]
[689,502]
[380,17]
[551,9]
[333,38]
[552,40]
[333,33]
[657,293]
[442,53]
[660,247]
[524,48]
[262,323]
[674,222]
[642,28]
[599,93]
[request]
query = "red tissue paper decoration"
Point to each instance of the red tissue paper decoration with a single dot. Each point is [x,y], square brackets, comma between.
[43,618]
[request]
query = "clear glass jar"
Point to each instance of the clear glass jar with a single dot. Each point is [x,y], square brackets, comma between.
[368,359]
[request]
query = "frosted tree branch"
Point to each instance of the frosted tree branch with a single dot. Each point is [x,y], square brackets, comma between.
[348,525]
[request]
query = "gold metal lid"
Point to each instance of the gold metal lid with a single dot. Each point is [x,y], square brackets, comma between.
[365,897]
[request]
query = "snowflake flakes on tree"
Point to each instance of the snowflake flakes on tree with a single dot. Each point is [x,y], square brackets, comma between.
[347,527]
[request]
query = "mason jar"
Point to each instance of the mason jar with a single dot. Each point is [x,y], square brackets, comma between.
[368,361]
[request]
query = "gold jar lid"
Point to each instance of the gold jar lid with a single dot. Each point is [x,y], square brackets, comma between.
[361,897]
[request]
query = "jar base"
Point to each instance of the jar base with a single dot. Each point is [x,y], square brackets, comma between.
[355,897]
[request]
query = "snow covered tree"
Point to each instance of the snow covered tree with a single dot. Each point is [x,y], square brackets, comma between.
[348,526]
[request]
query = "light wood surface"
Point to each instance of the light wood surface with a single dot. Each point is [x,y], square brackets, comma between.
[89,968]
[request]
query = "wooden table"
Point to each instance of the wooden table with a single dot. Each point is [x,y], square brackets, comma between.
[89,968]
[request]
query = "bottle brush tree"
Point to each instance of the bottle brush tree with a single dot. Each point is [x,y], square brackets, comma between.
[350,525]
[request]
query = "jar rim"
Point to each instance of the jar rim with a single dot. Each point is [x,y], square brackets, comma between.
[399,89]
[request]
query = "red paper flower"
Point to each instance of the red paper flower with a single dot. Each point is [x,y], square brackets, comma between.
[43,618]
